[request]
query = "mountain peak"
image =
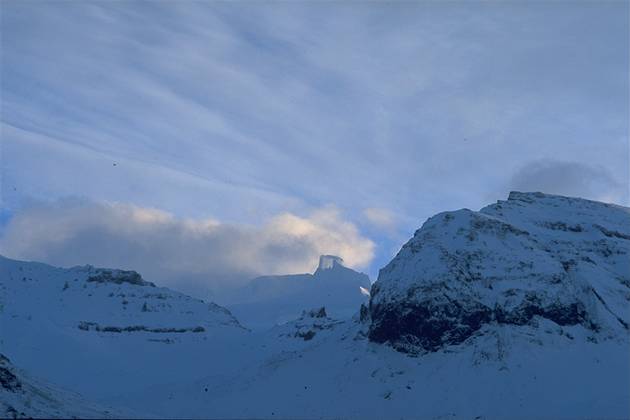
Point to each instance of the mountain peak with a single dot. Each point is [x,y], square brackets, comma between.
[327,262]
[525,196]
[534,258]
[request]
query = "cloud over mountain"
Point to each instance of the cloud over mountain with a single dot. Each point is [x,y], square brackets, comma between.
[380,217]
[189,253]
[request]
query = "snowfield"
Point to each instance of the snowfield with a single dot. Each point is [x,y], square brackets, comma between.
[519,310]
[24,396]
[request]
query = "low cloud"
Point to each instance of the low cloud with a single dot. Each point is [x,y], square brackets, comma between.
[571,179]
[380,218]
[202,255]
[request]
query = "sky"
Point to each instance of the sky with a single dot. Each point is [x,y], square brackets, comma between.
[205,143]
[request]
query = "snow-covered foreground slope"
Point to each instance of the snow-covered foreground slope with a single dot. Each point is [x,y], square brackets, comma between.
[339,373]
[271,300]
[22,396]
[519,310]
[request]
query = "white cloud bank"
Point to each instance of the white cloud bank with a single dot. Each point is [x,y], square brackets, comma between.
[380,218]
[199,255]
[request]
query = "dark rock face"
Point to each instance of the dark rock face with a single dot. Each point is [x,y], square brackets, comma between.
[102,275]
[308,335]
[315,313]
[8,380]
[89,326]
[364,313]
[428,325]
[562,314]
[436,323]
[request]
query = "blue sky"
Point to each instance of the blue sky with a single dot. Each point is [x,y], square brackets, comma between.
[371,116]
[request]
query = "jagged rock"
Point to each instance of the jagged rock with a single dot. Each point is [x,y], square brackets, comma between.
[315,313]
[364,313]
[8,379]
[102,275]
[89,326]
[308,325]
[326,262]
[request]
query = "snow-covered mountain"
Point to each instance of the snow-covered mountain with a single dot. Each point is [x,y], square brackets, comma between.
[519,310]
[270,300]
[533,257]
[99,299]
[102,332]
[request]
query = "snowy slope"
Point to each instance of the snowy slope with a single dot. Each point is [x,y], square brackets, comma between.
[271,300]
[22,396]
[339,373]
[102,332]
[107,297]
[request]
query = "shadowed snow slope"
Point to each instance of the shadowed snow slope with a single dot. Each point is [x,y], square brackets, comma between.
[22,396]
[271,300]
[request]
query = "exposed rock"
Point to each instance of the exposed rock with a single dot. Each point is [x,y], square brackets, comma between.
[315,313]
[364,313]
[326,262]
[309,324]
[8,379]
[93,326]
[102,275]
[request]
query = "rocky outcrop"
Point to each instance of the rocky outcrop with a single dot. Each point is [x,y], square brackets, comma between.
[315,313]
[93,326]
[103,275]
[327,262]
[307,326]
[8,379]
[530,257]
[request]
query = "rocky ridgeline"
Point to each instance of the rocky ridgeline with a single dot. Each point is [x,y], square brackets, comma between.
[102,300]
[104,275]
[93,326]
[533,256]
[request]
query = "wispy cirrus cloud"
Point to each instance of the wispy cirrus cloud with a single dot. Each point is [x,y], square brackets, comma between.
[380,218]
